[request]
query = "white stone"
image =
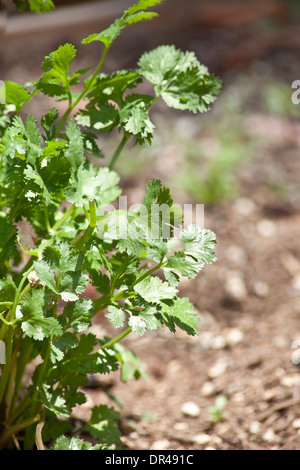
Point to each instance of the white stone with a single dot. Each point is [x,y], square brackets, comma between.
[290,380]
[208,389]
[218,342]
[190,409]
[181,426]
[234,286]
[270,436]
[236,254]
[261,289]
[255,427]
[266,228]
[296,283]
[217,369]
[233,336]
[202,439]
[244,206]
[161,444]
[296,423]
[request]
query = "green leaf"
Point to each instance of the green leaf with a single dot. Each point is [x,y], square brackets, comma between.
[54,402]
[199,244]
[77,315]
[8,238]
[180,313]
[116,316]
[144,320]
[99,120]
[16,94]
[8,291]
[74,443]
[55,80]
[37,6]
[82,359]
[48,120]
[131,365]
[108,35]
[74,154]
[141,16]
[61,271]
[34,322]
[45,274]
[142,5]
[179,78]
[179,263]
[91,184]
[103,425]
[153,289]
[134,117]
[111,88]
[192,91]
[100,281]
[21,140]
[133,15]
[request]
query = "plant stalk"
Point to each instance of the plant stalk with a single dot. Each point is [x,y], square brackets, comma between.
[118,151]
[116,339]
[86,89]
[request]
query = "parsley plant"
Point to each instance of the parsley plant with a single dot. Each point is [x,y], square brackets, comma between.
[47,181]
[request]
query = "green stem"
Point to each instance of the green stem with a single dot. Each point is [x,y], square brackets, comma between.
[22,406]
[93,215]
[119,150]
[123,294]
[21,367]
[68,213]
[16,428]
[9,344]
[116,339]
[83,237]
[86,89]
[29,436]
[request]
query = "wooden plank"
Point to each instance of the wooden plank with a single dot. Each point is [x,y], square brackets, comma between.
[66,17]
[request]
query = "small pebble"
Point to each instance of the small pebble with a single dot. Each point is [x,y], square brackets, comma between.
[236,254]
[208,389]
[217,369]
[269,436]
[218,342]
[181,426]
[202,439]
[296,283]
[296,423]
[234,286]
[254,427]
[233,336]
[244,206]
[261,289]
[190,409]
[266,228]
[290,263]
[290,380]
[162,444]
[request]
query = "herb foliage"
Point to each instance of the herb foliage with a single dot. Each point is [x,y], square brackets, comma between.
[48,180]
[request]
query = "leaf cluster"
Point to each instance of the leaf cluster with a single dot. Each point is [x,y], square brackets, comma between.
[49,182]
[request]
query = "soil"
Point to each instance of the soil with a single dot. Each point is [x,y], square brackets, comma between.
[249,300]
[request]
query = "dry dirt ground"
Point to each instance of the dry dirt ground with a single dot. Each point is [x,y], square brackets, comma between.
[249,304]
[248,301]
